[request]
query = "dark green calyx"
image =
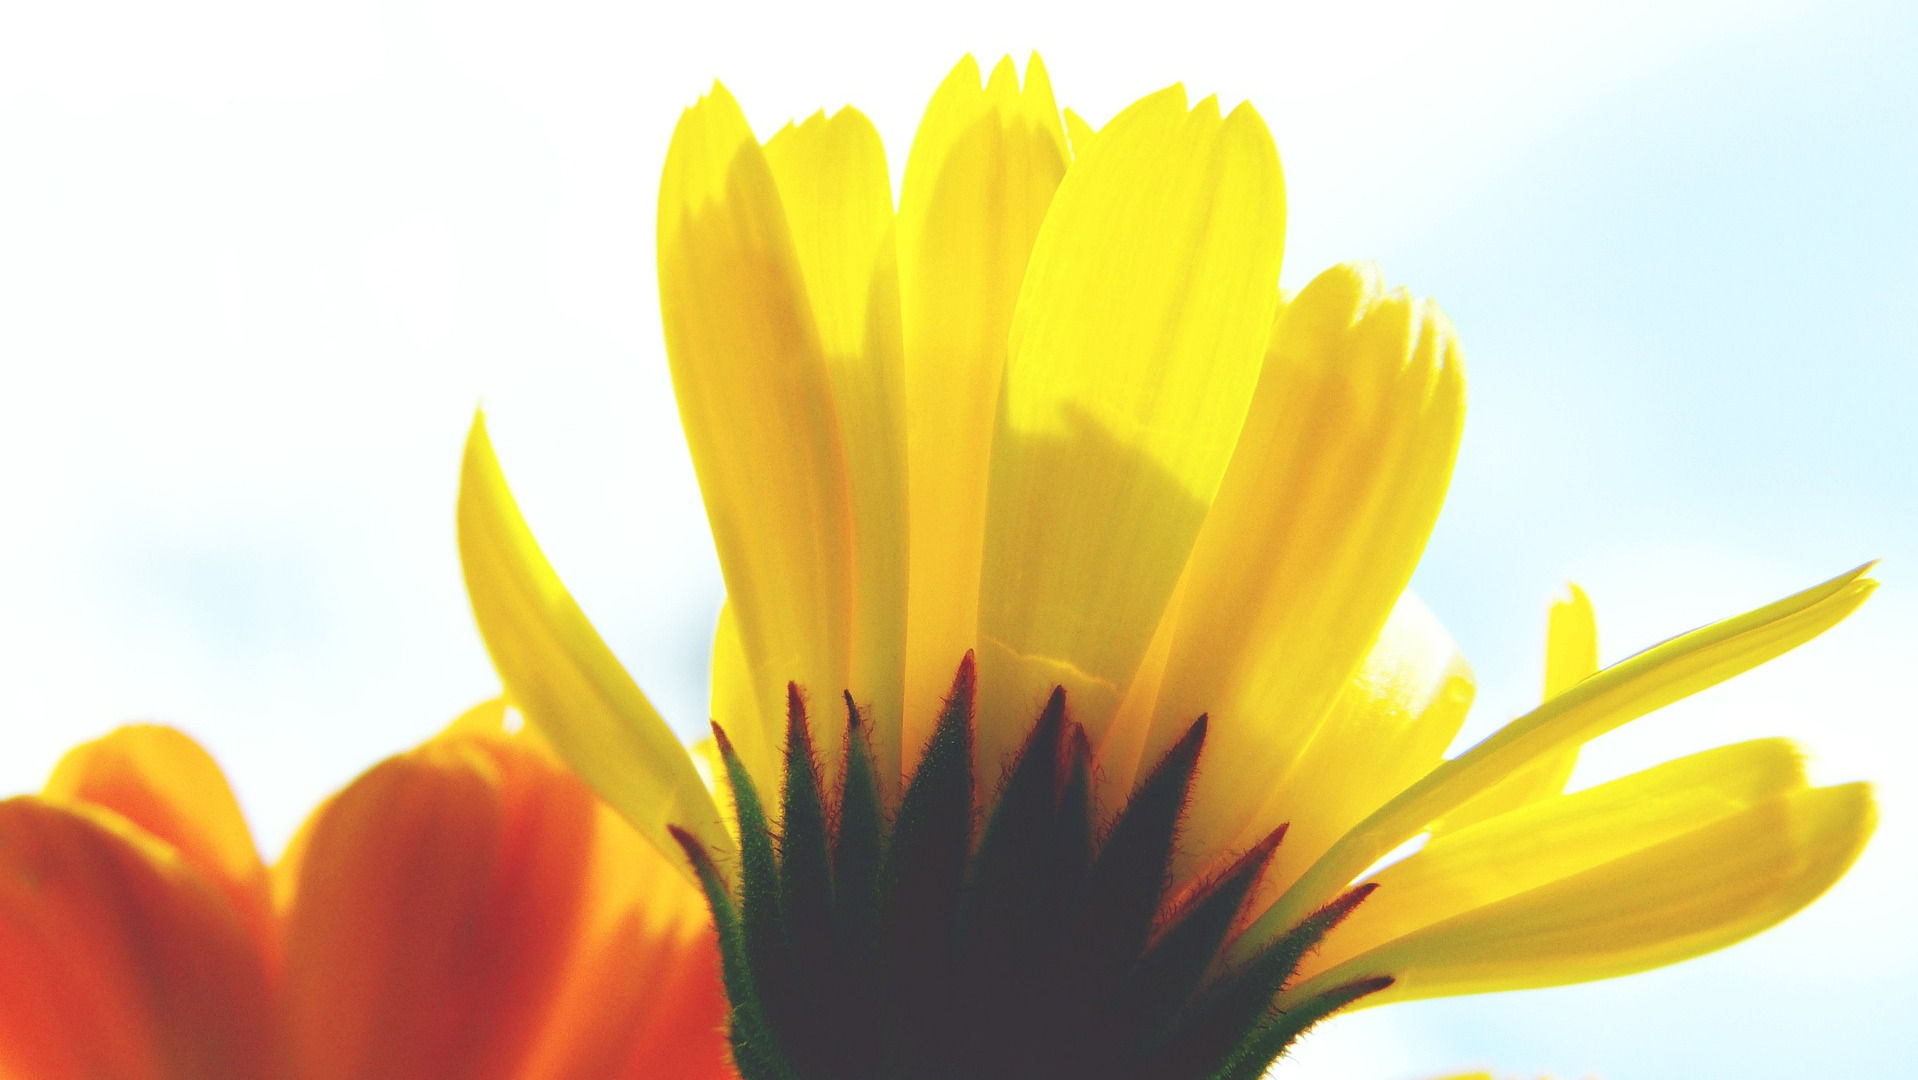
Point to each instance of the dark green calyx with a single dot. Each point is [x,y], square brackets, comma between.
[921,944]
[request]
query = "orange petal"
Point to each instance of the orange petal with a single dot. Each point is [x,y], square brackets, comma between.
[641,996]
[118,959]
[444,912]
[162,781]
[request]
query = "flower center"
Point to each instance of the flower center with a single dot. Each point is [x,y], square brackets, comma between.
[858,946]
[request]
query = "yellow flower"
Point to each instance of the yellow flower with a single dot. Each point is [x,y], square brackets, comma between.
[1054,413]
[466,910]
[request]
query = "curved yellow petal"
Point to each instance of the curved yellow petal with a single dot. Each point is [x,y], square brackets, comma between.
[735,707]
[1079,133]
[1560,837]
[487,718]
[1132,357]
[1571,642]
[1615,696]
[756,401]
[831,176]
[119,959]
[1698,891]
[162,781]
[1330,496]
[980,176]
[1571,655]
[1389,726]
[832,180]
[561,676]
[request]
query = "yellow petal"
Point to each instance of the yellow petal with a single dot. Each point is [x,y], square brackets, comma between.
[561,676]
[1571,654]
[1132,357]
[1332,491]
[1390,725]
[1560,837]
[831,176]
[1571,642]
[832,180]
[1079,133]
[162,781]
[981,173]
[486,718]
[1691,894]
[735,707]
[118,959]
[1615,696]
[756,402]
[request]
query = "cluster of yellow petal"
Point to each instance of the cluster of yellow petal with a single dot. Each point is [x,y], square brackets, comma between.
[1056,409]
[465,910]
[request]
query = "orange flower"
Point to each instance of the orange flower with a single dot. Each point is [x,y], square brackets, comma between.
[466,910]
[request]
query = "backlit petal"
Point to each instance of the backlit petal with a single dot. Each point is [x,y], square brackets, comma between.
[1132,357]
[832,180]
[1571,642]
[1615,696]
[980,176]
[119,959]
[1390,725]
[162,781]
[640,997]
[756,401]
[489,717]
[1079,133]
[1560,837]
[561,676]
[1571,654]
[433,905]
[1332,491]
[1691,894]
[735,707]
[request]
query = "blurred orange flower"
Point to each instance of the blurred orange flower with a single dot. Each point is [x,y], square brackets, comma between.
[464,910]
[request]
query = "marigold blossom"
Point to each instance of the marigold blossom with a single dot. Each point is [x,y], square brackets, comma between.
[465,910]
[1051,422]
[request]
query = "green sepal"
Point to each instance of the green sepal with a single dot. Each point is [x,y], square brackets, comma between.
[1269,971]
[1217,1024]
[805,899]
[926,858]
[858,842]
[1126,886]
[1260,1049]
[1008,886]
[756,1051]
[759,865]
[920,883]
[1072,830]
[1015,900]
[805,860]
[1156,992]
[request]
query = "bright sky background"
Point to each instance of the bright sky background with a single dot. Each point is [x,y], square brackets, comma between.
[258,264]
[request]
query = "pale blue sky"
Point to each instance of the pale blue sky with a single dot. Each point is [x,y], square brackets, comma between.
[257,266]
